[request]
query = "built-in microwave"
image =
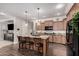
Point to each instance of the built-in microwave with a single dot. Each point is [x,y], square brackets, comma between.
[48,27]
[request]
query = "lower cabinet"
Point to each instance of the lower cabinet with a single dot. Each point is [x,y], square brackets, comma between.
[58,39]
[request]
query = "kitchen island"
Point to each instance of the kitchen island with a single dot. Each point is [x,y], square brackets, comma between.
[44,39]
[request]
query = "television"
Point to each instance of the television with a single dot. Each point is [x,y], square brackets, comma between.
[10,26]
[48,27]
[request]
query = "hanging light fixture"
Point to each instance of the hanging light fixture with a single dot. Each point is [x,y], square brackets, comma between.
[26,18]
[38,23]
[26,15]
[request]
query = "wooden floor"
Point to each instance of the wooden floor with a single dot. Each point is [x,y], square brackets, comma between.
[12,50]
[53,50]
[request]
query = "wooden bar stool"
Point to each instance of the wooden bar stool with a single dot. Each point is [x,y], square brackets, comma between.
[28,43]
[38,44]
[21,42]
[31,41]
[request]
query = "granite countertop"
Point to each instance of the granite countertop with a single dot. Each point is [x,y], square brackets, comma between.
[41,36]
[52,32]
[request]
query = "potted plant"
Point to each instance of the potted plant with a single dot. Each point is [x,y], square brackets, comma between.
[75,21]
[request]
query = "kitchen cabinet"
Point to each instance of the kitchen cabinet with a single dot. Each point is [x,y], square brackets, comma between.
[57,39]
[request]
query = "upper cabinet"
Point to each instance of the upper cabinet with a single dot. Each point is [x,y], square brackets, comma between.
[60,25]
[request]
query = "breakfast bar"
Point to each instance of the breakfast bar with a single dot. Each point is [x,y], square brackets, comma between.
[43,40]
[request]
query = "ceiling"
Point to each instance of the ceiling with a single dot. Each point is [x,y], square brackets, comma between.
[47,10]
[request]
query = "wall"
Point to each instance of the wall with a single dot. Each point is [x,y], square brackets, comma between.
[1,35]
[23,29]
[73,10]
[17,29]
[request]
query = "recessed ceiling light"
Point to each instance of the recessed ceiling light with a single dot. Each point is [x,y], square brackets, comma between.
[59,6]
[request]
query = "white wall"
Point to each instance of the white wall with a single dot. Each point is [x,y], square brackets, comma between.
[23,29]
[1,35]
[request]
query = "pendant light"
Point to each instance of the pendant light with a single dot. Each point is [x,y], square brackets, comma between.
[26,16]
[38,23]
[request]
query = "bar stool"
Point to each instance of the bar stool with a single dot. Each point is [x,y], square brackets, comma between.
[38,44]
[31,41]
[28,42]
[21,42]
